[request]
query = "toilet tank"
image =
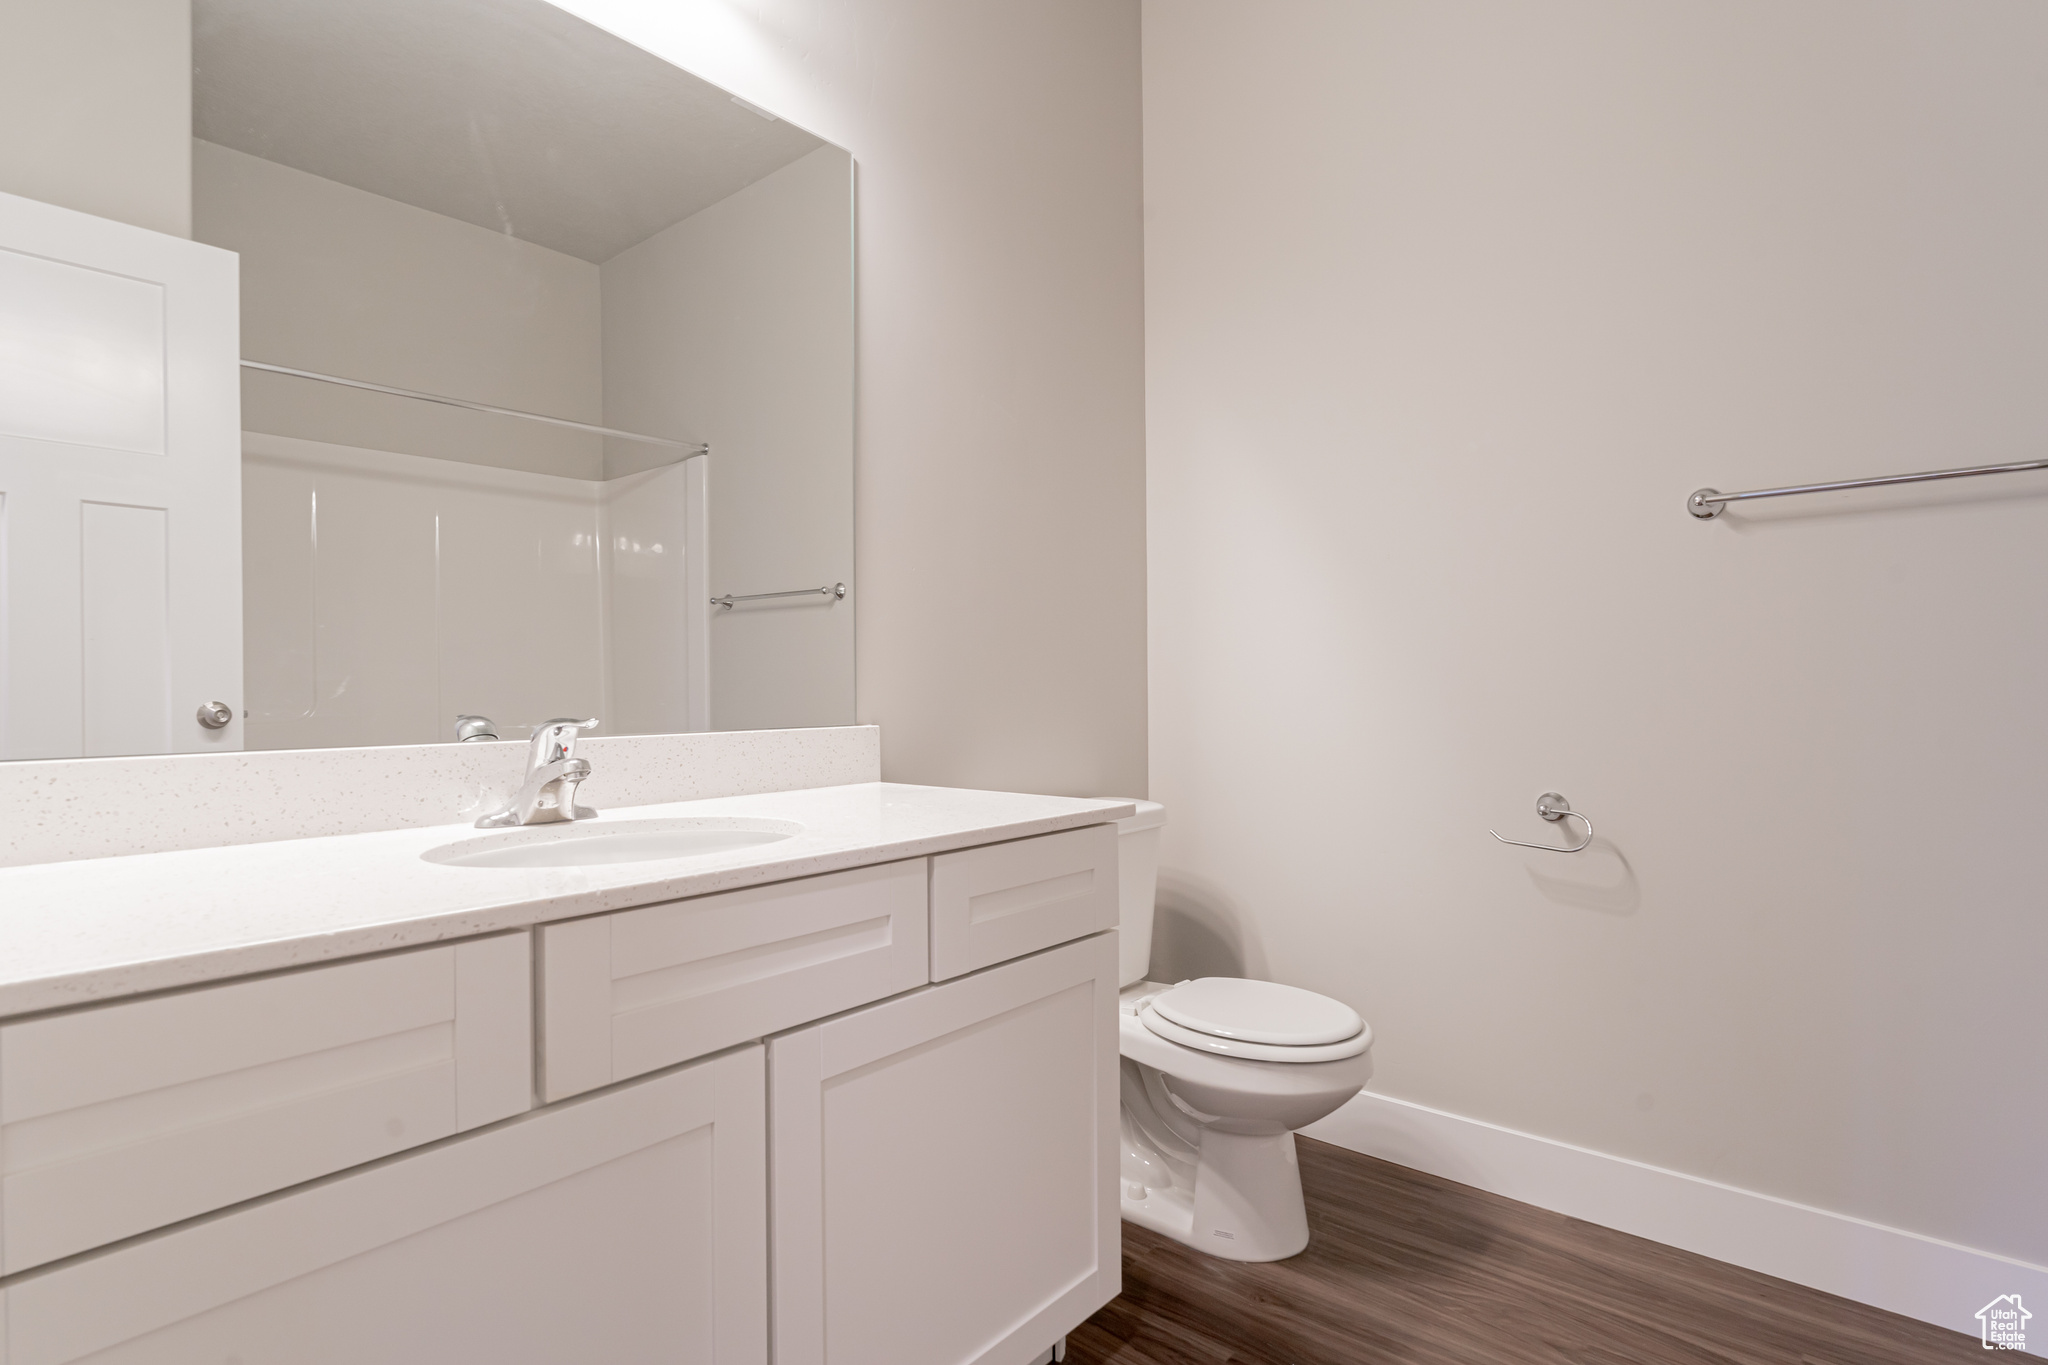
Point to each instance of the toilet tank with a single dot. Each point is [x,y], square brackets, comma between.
[1137,861]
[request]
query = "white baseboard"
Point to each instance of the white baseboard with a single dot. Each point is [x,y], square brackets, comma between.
[1920,1277]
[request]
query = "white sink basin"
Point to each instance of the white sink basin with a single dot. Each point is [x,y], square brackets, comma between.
[593,843]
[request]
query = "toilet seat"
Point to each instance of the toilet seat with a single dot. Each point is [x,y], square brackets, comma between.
[1258,1011]
[1256,1020]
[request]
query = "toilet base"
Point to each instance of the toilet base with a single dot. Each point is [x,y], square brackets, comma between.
[1246,1202]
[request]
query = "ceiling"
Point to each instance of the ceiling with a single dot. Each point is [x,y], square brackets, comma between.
[509,114]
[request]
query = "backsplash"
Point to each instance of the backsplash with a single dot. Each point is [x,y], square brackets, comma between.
[66,809]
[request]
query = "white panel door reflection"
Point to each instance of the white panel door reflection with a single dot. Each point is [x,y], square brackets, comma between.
[81,355]
[120,488]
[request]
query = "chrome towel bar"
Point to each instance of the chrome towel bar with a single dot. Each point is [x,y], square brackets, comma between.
[1707,503]
[835,591]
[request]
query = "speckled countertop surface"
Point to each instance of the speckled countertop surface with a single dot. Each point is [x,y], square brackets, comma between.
[76,932]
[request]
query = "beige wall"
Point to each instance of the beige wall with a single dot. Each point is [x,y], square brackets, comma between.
[999,484]
[735,326]
[96,107]
[341,281]
[1449,306]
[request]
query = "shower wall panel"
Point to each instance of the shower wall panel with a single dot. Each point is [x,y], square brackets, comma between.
[388,593]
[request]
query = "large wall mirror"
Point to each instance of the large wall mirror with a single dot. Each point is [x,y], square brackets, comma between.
[540,402]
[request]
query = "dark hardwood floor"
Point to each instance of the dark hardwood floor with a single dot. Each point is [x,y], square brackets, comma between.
[1406,1267]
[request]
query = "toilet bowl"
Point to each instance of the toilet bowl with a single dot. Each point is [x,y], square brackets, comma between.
[1217,1073]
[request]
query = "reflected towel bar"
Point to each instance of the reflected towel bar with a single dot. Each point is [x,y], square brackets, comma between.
[694,447]
[1706,503]
[835,592]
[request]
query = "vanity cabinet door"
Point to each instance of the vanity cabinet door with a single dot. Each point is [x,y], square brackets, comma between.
[133,1115]
[628,993]
[626,1229]
[1001,901]
[944,1168]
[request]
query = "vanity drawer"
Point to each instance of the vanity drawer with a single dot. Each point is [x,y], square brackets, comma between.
[1005,900]
[629,993]
[127,1117]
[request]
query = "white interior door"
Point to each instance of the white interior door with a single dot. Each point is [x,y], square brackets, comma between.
[944,1168]
[120,487]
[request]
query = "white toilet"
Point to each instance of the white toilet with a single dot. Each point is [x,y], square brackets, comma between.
[1217,1075]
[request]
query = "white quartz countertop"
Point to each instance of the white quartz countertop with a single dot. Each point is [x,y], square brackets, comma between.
[76,932]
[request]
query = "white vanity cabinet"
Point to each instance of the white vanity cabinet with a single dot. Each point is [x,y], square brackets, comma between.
[130,1116]
[882,1099]
[1000,901]
[628,1228]
[943,1188]
[628,993]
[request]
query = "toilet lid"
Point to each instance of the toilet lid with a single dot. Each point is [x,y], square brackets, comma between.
[1159,1024]
[1258,1012]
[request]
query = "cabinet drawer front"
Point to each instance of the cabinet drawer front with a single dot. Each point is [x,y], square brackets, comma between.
[633,1227]
[124,1118]
[630,993]
[992,904]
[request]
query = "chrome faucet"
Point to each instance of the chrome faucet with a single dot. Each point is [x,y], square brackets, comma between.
[552,774]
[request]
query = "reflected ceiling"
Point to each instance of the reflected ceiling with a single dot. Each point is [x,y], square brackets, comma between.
[510,114]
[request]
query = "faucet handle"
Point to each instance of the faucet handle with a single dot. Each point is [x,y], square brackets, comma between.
[474,727]
[555,740]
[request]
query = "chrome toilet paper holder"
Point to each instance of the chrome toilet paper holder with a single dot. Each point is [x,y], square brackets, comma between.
[1553,807]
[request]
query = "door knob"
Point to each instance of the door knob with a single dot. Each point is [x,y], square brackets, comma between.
[215,715]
